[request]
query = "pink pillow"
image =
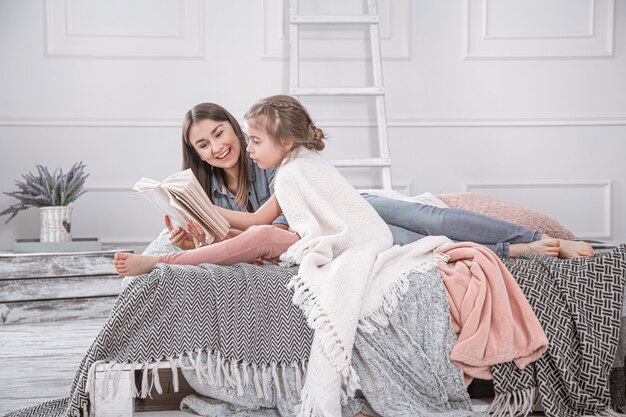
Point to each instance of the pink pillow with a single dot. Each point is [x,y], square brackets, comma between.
[505,210]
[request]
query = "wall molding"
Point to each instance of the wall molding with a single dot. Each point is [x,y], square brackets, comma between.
[70,29]
[62,40]
[478,44]
[588,33]
[604,184]
[486,120]
[398,120]
[67,121]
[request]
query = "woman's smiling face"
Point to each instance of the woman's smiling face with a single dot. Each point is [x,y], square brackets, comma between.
[215,142]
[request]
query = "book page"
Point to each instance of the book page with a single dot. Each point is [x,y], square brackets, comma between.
[190,215]
[160,199]
[181,196]
[181,201]
[215,225]
[187,189]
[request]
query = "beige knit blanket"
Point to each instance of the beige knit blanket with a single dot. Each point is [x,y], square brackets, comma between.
[350,276]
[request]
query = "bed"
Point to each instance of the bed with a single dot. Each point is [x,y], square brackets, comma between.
[578,302]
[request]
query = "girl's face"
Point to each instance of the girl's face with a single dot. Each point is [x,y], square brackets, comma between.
[215,142]
[263,150]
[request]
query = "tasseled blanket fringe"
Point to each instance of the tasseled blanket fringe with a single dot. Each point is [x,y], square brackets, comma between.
[610,413]
[380,317]
[307,408]
[211,370]
[515,403]
[522,403]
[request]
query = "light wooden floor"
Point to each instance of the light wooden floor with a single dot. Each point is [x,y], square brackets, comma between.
[38,360]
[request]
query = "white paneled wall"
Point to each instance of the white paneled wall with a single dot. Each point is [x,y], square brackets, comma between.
[523,100]
[510,29]
[122,29]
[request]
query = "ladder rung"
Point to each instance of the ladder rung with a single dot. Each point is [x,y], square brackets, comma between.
[312,19]
[341,91]
[362,162]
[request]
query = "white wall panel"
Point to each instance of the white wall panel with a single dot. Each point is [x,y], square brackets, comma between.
[536,29]
[511,19]
[125,29]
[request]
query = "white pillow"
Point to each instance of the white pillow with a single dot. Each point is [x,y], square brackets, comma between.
[425,198]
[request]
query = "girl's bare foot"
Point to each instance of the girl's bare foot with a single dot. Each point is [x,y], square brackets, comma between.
[571,249]
[541,247]
[130,264]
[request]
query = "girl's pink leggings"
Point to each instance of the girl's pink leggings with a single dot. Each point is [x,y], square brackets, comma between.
[265,242]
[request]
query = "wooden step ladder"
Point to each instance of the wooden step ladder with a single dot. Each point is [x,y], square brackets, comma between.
[377,90]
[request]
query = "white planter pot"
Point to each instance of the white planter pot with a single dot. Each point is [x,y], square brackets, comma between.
[56,224]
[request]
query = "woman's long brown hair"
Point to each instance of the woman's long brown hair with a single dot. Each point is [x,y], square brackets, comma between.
[204,171]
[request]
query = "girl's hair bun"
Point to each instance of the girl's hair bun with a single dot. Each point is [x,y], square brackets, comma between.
[317,143]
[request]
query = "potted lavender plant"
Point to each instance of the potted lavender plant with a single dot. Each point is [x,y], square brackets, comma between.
[52,193]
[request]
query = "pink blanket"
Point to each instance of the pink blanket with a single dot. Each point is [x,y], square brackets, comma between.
[492,318]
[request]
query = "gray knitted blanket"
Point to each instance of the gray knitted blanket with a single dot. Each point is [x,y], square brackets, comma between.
[578,302]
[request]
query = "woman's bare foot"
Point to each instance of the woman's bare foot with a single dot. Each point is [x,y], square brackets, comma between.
[130,264]
[571,249]
[360,415]
[542,247]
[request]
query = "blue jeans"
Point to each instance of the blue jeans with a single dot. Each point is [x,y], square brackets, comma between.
[410,221]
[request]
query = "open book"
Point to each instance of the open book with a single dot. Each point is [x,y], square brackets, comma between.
[181,197]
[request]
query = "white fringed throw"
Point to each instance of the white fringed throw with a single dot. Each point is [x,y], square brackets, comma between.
[349,275]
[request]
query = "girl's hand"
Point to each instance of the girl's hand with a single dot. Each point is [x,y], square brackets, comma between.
[232,233]
[178,236]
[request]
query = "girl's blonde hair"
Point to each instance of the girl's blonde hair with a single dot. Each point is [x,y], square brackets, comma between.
[284,117]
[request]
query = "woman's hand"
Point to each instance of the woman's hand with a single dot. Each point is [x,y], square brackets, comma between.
[184,239]
[197,233]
